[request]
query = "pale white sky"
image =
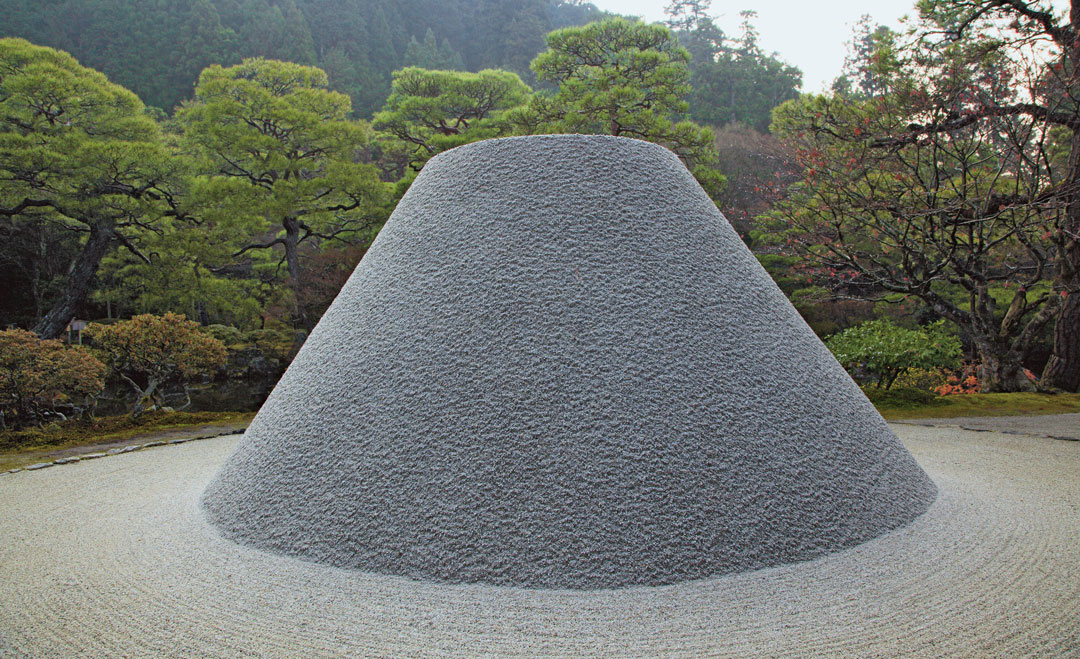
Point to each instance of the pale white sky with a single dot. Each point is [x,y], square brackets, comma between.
[810,35]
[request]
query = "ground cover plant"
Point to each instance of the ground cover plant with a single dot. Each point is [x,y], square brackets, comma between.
[898,404]
[21,447]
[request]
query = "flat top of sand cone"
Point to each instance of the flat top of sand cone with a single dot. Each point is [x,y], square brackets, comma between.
[558,366]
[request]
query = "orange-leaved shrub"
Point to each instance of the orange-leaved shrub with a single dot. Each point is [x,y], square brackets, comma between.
[151,352]
[964,381]
[39,378]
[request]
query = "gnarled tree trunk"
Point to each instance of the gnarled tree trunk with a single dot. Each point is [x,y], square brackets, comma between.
[53,324]
[292,260]
[1001,370]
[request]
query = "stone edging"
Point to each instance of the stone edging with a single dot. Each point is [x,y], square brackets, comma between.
[1025,433]
[118,450]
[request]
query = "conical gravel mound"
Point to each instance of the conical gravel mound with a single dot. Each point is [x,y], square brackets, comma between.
[559,367]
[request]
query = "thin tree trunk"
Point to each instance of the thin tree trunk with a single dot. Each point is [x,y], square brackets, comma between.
[292,260]
[53,324]
[201,314]
[187,395]
[1062,371]
[35,284]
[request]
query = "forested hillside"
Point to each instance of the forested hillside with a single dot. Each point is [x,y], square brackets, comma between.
[156,48]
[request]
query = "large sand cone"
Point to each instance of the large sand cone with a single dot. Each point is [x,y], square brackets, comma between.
[558,366]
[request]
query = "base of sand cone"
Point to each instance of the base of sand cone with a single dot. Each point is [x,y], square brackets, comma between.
[558,366]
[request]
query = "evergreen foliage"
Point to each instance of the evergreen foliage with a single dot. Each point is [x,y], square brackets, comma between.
[78,153]
[431,111]
[622,78]
[283,157]
[733,80]
[430,54]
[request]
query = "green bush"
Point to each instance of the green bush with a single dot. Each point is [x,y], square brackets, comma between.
[924,379]
[888,351]
[276,343]
[227,334]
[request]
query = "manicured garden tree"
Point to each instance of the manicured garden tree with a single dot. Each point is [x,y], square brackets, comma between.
[37,376]
[962,159]
[193,271]
[623,78]
[431,111]
[79,154]
[888,351]
[967,219]
[283,159]
[150,353]
[1035,48]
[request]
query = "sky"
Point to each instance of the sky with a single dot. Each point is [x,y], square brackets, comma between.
[809,35]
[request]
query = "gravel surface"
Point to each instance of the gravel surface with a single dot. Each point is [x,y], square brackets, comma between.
[559,366]
[113,558]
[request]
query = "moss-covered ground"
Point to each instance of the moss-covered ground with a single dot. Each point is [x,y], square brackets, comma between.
[903,404]
[18,448]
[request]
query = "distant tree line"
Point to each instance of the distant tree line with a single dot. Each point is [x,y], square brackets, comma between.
[252,203]
[156,48]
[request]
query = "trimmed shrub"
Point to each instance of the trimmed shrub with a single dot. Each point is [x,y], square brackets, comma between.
[888,351]
[150,352]
[40,378]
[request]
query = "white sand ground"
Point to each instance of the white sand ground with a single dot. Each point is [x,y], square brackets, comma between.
[112,558]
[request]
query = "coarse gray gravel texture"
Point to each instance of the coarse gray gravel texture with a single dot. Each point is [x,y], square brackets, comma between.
[113,558]
[558,366]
